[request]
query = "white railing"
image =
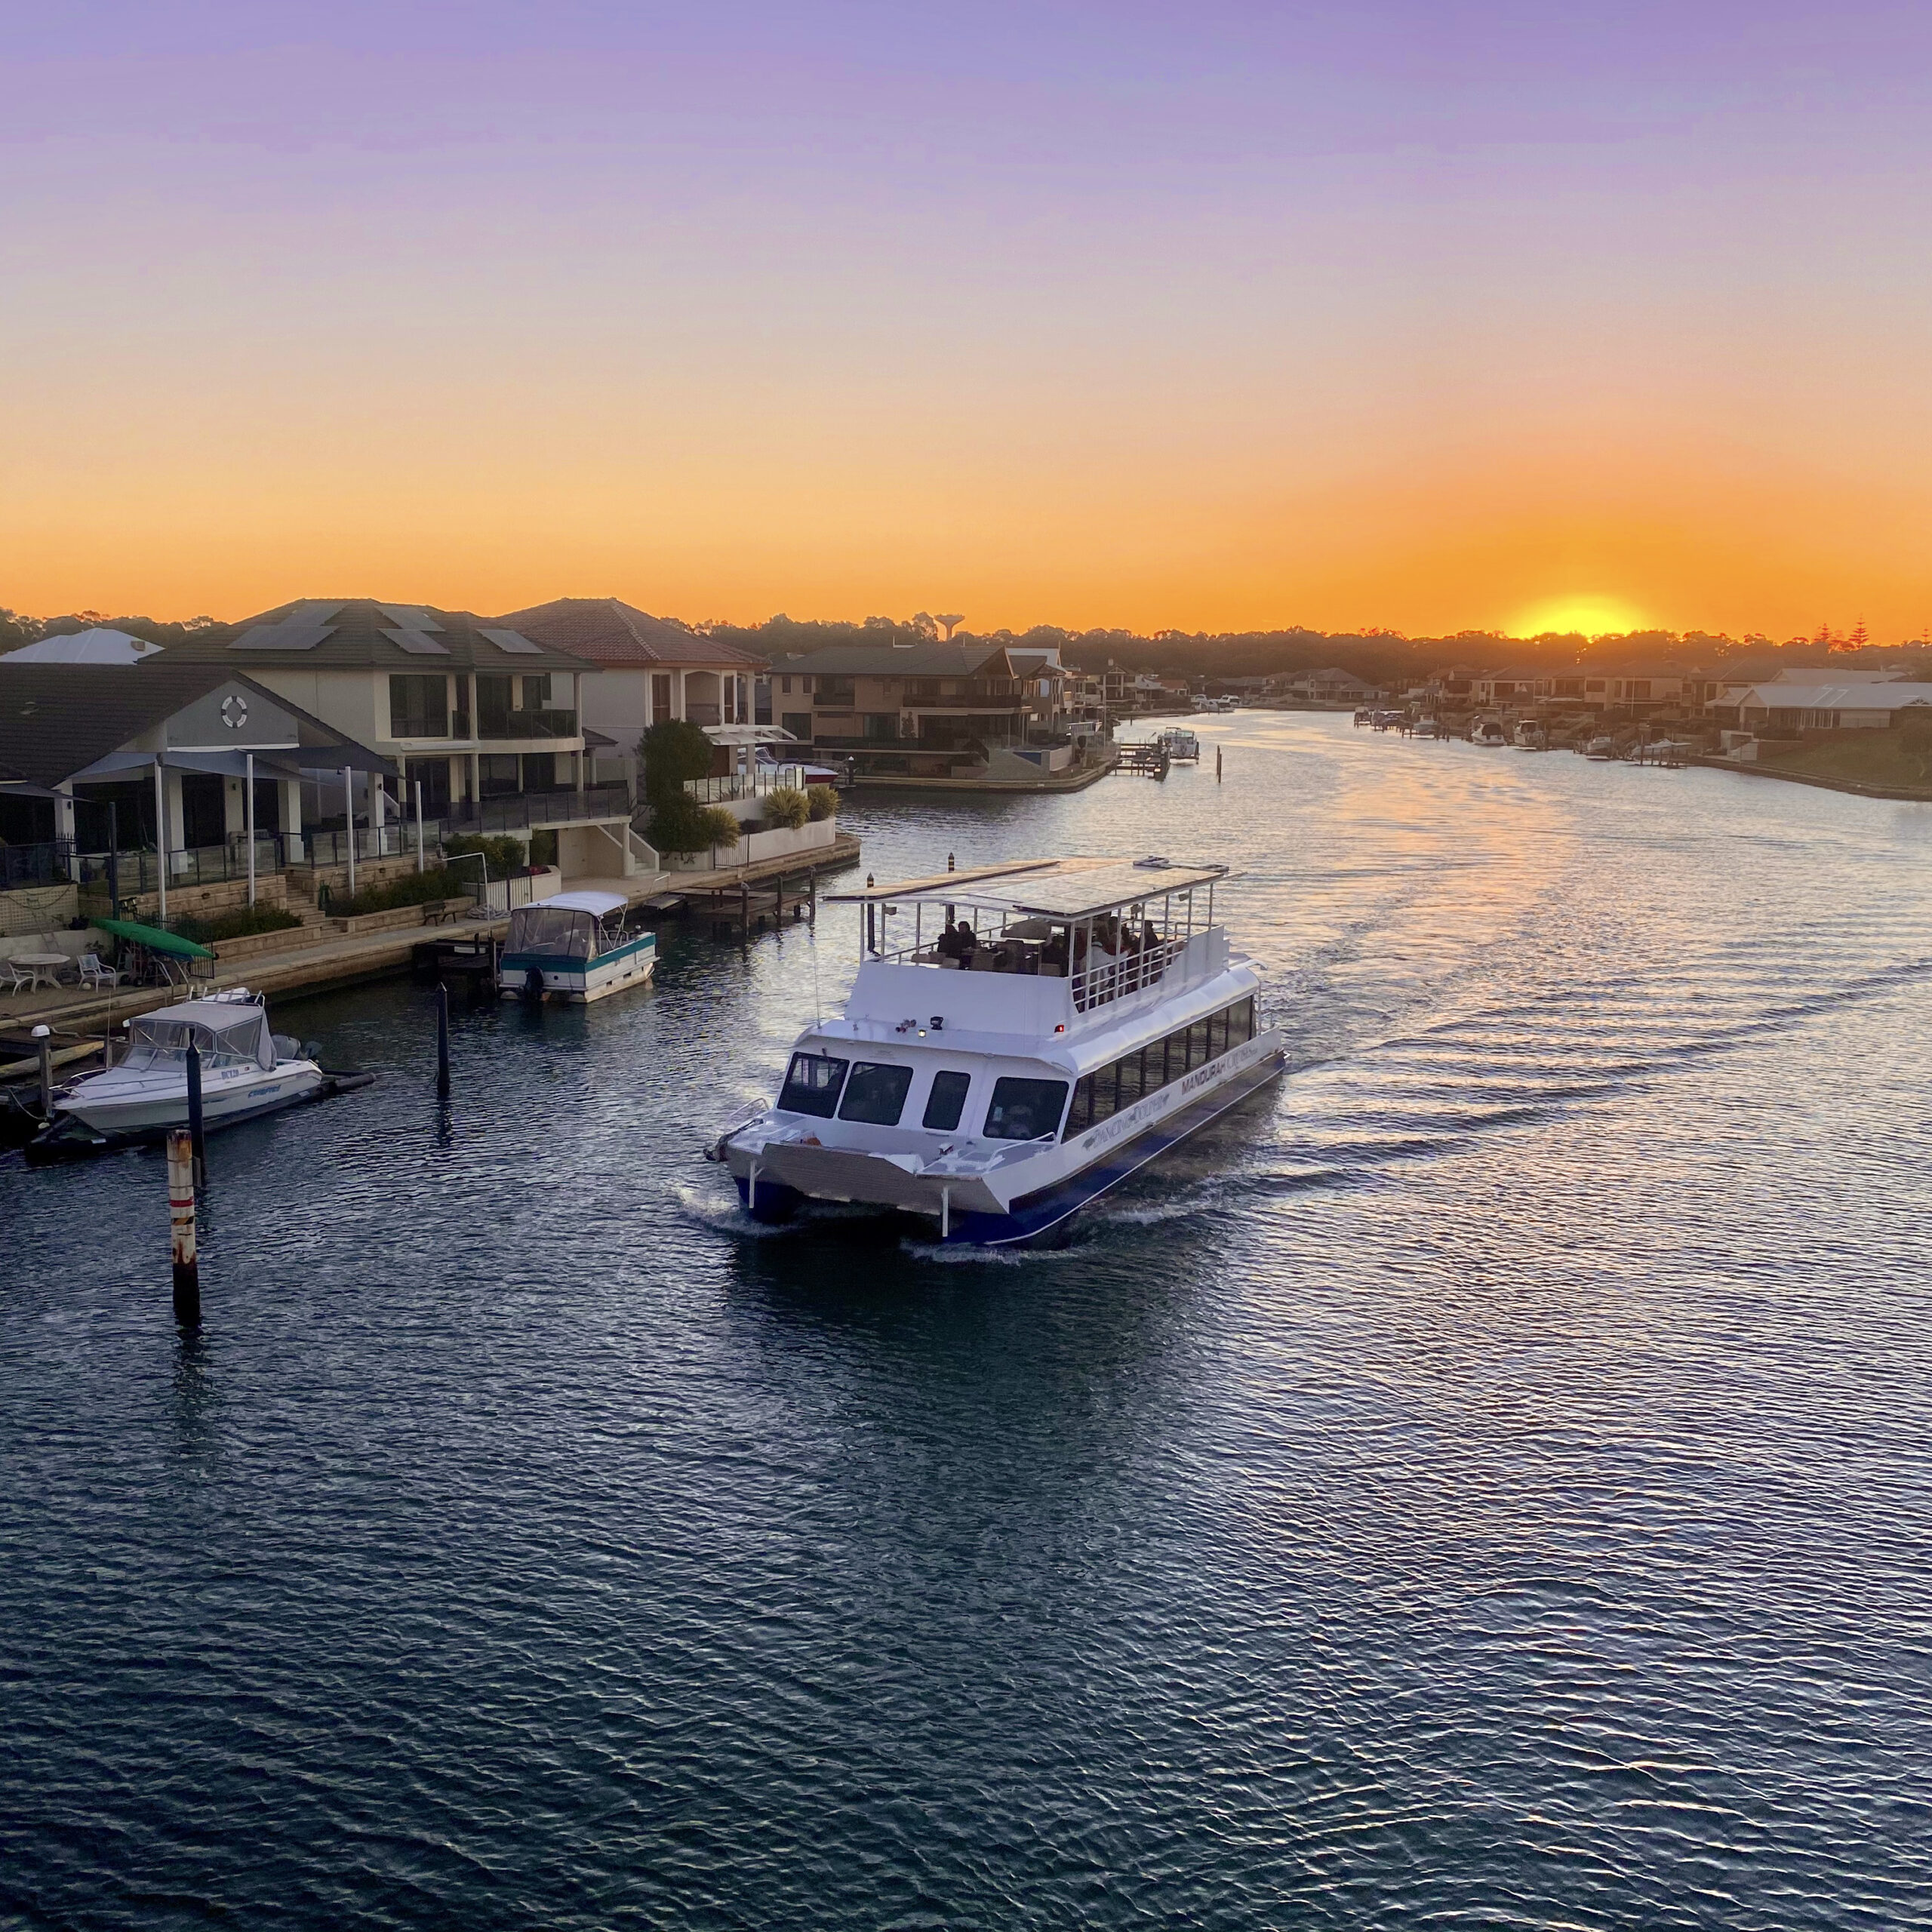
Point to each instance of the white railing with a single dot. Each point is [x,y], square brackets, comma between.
[762,779]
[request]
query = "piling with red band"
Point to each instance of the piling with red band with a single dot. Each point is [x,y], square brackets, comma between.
[181,1213]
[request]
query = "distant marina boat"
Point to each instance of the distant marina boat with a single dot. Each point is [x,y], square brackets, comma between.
[1488,733]
[573,947]
[246,1070]
[1027,1037]
[1182,746]
[1531,737]
[1601,748]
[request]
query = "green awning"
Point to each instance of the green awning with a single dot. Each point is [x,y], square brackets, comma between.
[153,938]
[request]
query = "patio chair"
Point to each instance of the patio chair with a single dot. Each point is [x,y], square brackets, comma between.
[19,978]
[94,975]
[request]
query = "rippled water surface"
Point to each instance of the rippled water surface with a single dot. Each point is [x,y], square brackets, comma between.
[1482,1483]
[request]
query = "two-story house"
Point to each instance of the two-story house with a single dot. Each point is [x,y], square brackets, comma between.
[646,669]
[484,718]
[934,710]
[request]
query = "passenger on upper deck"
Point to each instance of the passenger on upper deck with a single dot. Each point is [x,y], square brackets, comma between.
[950,944]
[1053,954]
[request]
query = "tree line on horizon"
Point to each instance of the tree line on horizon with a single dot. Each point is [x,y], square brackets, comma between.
[1381,655]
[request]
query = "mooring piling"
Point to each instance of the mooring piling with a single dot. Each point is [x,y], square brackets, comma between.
[442,1040]
[198,1138]
[1217,765]
[45,1036]
[181,1218]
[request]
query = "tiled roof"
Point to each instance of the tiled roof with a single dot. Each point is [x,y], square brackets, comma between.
[57,719]
[607,631]
[359,632]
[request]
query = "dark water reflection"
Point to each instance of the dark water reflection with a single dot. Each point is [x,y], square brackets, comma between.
[1484,1484]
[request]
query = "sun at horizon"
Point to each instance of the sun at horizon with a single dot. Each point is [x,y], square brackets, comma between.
[1590,616]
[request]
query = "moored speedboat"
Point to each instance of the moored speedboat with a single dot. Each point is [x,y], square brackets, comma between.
[574,947]
[246,1070]
[1488,732]
[1043,1030]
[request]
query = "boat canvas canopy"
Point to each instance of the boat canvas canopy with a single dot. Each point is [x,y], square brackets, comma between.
[601,903]
[222,1029]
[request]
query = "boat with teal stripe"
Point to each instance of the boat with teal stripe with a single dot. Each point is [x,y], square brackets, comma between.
[574,947]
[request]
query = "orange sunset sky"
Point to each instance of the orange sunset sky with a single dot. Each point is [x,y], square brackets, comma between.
[835,313]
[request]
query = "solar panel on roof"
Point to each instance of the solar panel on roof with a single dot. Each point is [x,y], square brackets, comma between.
[410,617]
[513,640]
[419,642]
[287,635]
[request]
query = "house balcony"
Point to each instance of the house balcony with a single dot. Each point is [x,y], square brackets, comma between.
[515,727]
[538,811]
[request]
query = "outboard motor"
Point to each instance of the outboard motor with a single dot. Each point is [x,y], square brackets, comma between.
[532,986]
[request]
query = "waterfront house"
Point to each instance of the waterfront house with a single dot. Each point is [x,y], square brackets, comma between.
[99,645]
[1332,686]
[643,670]
[103,769]
[483,718]
[967,709]
[1776,708]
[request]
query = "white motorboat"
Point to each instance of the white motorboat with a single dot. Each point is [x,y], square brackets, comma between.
[1030,1035]
[1601,749]
[574,947]
[246,1070]
[1181,745]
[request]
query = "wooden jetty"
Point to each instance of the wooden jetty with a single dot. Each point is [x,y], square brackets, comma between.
[1147,761]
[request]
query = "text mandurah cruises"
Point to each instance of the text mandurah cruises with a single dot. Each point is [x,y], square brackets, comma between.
[1020,1038]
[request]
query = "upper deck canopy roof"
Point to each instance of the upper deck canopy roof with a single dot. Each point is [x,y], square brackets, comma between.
[1045,888]
[603,904]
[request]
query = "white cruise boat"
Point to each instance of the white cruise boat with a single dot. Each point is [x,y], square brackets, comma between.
[573,947]
[997,1080]
[246,1070]
[1181,745]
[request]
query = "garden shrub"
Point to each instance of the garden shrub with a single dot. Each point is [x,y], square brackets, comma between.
[822,802]
[786,808]
[238,922]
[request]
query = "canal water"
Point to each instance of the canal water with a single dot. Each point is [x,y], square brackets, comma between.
[1484,1482]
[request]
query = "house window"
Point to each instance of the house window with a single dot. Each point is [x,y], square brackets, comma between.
[661,697]
[881,725]
[799,724]
[785,685]
[418,706]
[836,692]
[499,773]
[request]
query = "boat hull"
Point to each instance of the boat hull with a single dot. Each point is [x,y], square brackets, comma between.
[1036,1217]
[223,1103]
[569,981]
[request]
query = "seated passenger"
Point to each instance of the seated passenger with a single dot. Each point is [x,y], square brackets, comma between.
[969,941]
[949,943]
[1053,954]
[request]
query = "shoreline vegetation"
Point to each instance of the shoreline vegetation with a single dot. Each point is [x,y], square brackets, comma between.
[1382,657]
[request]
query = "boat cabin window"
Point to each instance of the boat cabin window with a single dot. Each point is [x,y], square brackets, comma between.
[812,1085]
[1025,1109]
[947,1100]
[875,1093]
[553,930]
[1101,1094]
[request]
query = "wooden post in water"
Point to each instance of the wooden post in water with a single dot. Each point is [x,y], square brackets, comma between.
[811,891]
[198,1139]
[1217,765]
[181,1217]
[44,1036]
[442,1040]
[744,913]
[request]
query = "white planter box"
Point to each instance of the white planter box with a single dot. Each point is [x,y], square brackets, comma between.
[755,850]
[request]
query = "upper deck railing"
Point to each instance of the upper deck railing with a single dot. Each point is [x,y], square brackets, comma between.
[1120,942]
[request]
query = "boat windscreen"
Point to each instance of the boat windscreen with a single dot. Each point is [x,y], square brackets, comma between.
[223,1042]
[560,931]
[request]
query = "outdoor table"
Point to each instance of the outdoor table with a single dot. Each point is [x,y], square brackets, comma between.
[46,967]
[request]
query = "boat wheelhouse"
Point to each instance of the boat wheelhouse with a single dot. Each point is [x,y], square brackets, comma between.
[246,1069]
[1020,1038]
[574,947]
